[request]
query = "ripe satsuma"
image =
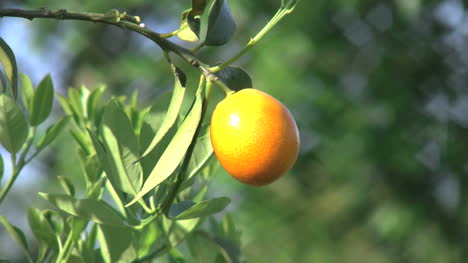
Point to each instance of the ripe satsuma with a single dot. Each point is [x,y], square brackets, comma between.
[254,137]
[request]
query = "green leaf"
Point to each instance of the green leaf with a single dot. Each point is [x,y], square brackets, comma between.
[52,132]
[122,149]
[95,210]
[2,167]
[235,78]
[66,185]
[41,228]
[175,151]
[172,111]
[42,102]
[221,25]
[13,125]
[202,248]
[189,26]
[117,243]
[8,61]
[198,7]
[93,101]
[149,237]
[17,235]
[202,152]
[27,91]
[184,210]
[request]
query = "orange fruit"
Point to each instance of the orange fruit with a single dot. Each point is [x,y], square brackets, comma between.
[254,137]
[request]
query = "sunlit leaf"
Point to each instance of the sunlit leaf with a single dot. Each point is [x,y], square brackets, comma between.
[189,26]
[175,151]
[172,111]
[8,61]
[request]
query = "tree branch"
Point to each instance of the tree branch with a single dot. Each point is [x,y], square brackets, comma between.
[112,17]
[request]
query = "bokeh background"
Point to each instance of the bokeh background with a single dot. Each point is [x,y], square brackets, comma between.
[378,89]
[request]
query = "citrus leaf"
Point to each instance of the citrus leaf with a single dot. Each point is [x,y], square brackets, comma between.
[122,148]
[202,249]
[2,167]
[198,6]
[117,243]
[202,152]
[93,101]
[17,235]
[184,210]
[221,25]
[189,26]
[66,185]
[172,111]
[235,78]
[91,209]
[13,125]
[41,228]
[52,132]
[175,151]
[8,61]
[27,91]
[42,101]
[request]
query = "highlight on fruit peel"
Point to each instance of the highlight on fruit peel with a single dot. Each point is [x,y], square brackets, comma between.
[254,137]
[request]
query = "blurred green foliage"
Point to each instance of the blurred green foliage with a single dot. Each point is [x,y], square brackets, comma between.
[378,89]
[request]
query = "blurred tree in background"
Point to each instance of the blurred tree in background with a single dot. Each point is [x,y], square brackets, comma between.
[378,89]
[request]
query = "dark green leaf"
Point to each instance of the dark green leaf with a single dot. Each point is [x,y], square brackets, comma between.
[2,167]
[66,185]
[172,111]
[41,228]
[17,235]
[27,91]
[204,208]
[117,243]
[221,25]
[94,210]
[198,6]
[175,151]
[122,150]
[8,61]
[235,78]
[13,125]
[52,132]
[42,102]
